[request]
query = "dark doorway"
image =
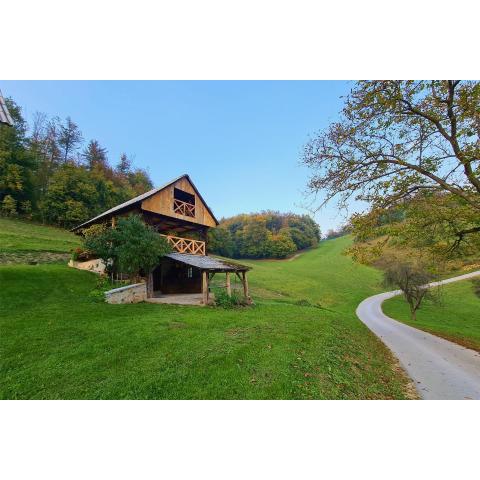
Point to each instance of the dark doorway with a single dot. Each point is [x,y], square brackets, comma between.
[176,277]
[157,279]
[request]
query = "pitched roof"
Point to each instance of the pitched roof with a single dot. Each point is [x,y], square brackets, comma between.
[142,197]
[4,113]
[204,262]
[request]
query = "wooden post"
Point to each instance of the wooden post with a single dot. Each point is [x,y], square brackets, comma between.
[229,287]
[245,285]
[113,222]
[150,285]
[205,287]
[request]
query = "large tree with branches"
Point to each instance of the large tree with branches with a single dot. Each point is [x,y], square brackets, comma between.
[398,139]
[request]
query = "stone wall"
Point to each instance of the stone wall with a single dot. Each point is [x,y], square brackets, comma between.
[130,294]
[96,265]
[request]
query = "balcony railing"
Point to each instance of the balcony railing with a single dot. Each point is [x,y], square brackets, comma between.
[186,245]
[184,208]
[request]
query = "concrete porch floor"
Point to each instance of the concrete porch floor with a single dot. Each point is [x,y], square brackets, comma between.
[178,298]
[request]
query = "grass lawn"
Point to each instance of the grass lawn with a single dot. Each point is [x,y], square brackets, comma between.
[301,340]
[19,236]
[24,242]
[456,317]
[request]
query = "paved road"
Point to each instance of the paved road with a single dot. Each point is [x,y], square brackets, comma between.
[439,368]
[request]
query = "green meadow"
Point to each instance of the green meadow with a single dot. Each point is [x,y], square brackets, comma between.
[301,339]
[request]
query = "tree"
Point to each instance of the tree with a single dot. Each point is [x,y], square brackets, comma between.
[411,280]
[131,247]
[221,242]
[40,172]
[280,245]
[124,165]
[70,138]
[139,181]
[45,149]
[267,234]
[95,156]
[398,138]
[72,196]
[16,163]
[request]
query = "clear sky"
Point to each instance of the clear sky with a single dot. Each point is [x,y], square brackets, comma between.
[240,142]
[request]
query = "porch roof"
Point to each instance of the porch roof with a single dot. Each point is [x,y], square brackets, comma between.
[204,262]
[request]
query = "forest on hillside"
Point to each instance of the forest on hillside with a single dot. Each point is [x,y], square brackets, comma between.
[49,173]
[264,235]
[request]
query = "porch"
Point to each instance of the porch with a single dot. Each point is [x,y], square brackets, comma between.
[184,279]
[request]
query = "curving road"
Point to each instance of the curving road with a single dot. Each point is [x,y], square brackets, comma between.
[440,369]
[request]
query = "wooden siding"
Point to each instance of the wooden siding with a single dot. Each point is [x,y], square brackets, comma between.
[162,203]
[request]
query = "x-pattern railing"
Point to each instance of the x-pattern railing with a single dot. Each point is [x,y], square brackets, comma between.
[186,245]
[183,208]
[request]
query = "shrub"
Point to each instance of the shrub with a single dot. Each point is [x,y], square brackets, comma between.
[104,285]
[9,206]
[79,254]
[131,247]
[26,209]
[223,300]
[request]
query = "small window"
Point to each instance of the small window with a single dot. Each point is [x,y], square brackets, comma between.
[189,272]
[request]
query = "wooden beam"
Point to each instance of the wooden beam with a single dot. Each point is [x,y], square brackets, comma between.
[229,287]
[205,287]
[150,285]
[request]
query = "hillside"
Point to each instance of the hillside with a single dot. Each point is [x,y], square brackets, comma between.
[22,241]
[301,340]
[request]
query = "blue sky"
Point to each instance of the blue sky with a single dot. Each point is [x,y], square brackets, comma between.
[240,141]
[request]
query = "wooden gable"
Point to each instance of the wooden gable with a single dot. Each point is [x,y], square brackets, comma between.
[162,203]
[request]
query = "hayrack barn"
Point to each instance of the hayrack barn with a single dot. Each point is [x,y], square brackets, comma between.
[178,212]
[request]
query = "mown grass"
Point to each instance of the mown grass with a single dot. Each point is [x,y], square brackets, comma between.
[17,236]
[57,342]
[456,316]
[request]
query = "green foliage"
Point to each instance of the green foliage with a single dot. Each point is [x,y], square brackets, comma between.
[397,137]
[411,149]
[102,285]
[223,300]
[45,174]
[131,247]
[263,235]
[16,161]
[9,206]
[138,247]
[429,224]
[410,279]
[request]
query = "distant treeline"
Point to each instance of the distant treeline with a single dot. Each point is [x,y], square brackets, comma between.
[48,173]
[264,235]
[339,232]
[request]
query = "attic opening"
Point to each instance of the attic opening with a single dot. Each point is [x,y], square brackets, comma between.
[183,196]
[183,203]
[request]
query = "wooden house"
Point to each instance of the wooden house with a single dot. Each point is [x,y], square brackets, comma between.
[178,212]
